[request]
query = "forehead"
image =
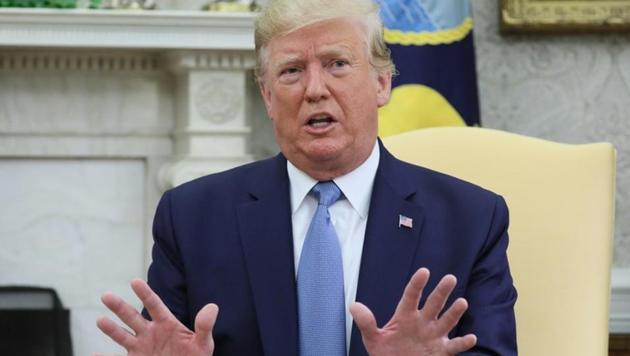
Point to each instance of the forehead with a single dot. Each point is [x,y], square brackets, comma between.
[340,34]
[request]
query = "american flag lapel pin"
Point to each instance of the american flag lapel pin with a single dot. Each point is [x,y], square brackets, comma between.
[405,221]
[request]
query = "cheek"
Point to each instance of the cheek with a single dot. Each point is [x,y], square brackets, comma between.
[364,89]
[286,102]
[361,110]
[362,102]
[284,120]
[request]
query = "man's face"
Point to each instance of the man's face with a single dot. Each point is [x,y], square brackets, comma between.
[323,95]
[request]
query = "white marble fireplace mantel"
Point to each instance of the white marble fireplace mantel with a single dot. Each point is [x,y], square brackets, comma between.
[210,55]
[100,111]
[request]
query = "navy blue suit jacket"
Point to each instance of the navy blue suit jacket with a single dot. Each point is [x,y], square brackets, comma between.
[227,238]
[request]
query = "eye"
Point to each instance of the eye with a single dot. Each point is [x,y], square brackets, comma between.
[339,63]
[339,67]
[289,70]
[289,74]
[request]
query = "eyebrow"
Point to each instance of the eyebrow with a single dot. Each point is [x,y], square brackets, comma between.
[335,51]
[332,51]
[287,60]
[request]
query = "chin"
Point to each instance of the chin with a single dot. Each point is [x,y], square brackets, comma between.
[322,152]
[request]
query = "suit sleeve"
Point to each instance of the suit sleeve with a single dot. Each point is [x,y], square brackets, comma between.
[491,294]
[166,274]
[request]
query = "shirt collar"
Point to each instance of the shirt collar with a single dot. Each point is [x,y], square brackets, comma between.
[356,186]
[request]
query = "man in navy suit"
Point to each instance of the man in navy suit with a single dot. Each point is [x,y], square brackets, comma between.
[234,240]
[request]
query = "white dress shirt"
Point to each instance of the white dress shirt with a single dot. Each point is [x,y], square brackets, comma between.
[349,217]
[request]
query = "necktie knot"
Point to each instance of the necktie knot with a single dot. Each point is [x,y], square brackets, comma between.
[327,193]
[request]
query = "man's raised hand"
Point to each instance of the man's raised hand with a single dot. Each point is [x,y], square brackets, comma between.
[164,335]
[413,331]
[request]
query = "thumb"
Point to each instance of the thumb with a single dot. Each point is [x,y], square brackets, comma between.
[204,322]
[365,320]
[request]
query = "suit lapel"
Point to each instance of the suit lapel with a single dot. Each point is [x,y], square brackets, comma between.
[388,250]
[266,233]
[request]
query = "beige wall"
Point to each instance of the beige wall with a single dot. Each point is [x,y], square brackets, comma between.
[567,88]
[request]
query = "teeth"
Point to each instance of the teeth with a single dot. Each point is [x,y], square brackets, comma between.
[319,124]
[319,121]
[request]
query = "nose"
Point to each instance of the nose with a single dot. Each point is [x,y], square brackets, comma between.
[316,86]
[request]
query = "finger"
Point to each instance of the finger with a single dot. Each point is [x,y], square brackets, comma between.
[365,320]
[204,323]
[461,344]
[115,332]
[127,313]
[451,317]
[437,299]
[150,300]
[413,291]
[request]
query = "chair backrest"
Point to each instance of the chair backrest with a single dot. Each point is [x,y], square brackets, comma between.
[561,200]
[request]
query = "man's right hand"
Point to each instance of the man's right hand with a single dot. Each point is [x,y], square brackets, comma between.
[164,335]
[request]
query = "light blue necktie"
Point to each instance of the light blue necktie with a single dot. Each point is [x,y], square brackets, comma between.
[321,303]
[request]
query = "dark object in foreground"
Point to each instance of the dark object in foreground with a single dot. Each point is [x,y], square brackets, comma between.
[33,322]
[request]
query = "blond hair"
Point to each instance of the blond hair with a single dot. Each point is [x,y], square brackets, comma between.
[281,17]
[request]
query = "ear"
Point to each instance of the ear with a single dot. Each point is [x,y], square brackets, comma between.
[265,92]
[384,87]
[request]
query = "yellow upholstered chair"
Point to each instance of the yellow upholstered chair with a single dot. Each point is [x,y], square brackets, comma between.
[561,200]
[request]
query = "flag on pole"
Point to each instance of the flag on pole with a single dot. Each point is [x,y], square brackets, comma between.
[431,43]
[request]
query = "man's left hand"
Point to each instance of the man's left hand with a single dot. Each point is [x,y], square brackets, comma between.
[413,331]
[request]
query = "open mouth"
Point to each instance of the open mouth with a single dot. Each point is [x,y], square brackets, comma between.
[320,121]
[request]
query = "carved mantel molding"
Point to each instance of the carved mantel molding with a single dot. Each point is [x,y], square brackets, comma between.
[178,61]
[94,61]
[212,124]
